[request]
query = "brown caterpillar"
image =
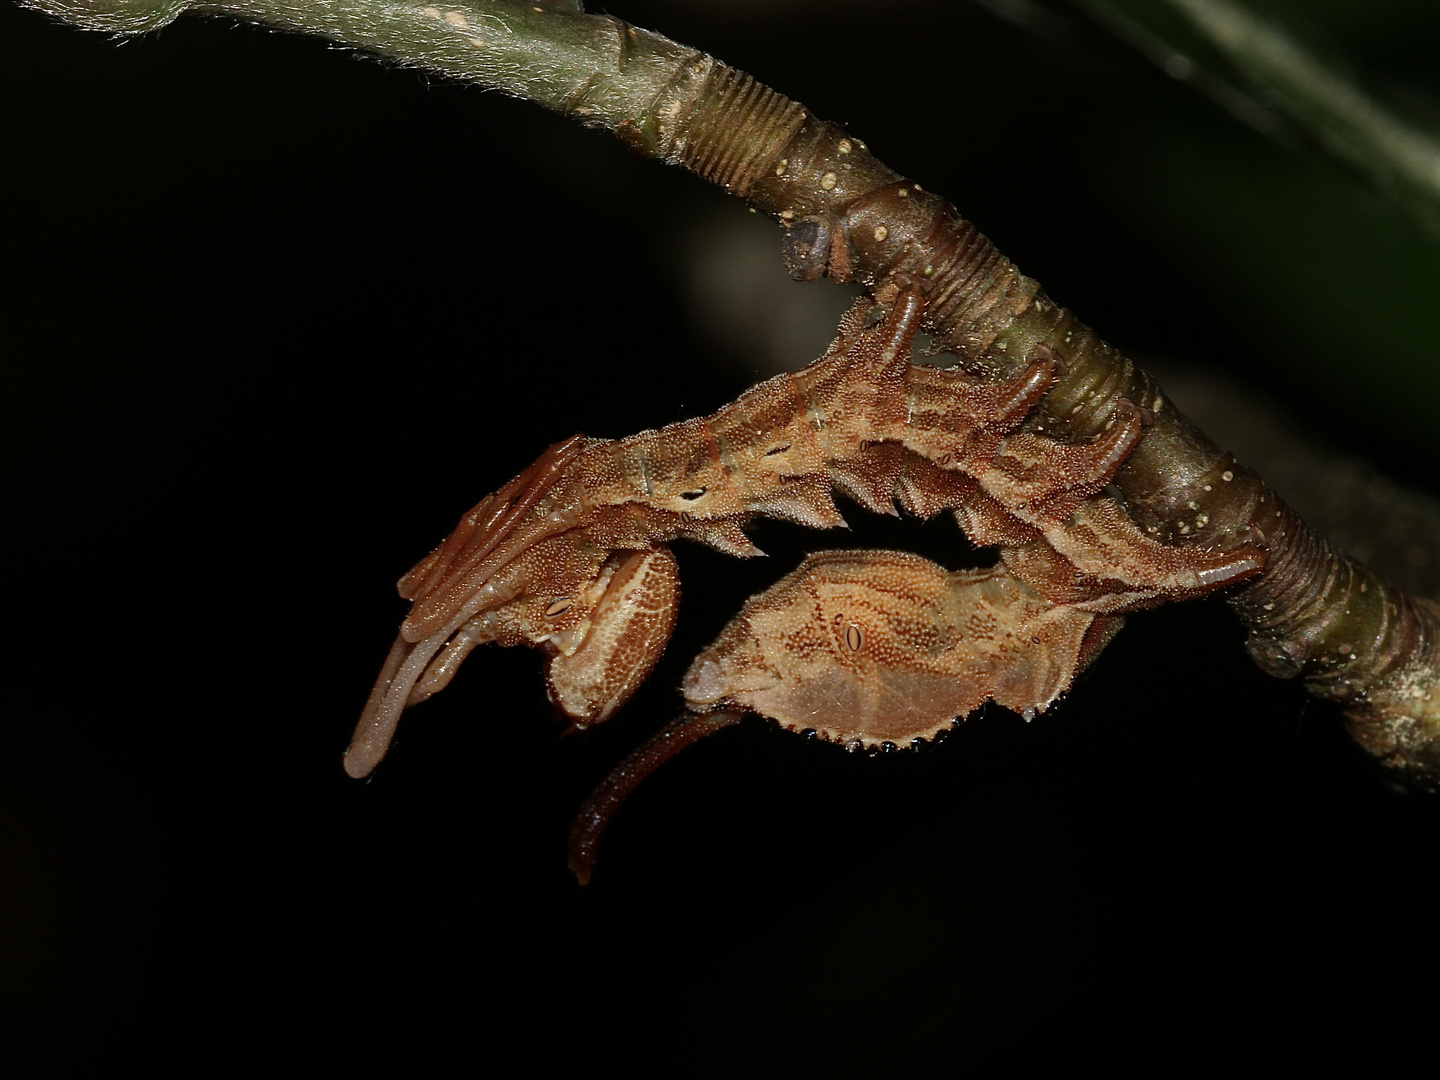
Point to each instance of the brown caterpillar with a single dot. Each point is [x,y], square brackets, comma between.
[570,556]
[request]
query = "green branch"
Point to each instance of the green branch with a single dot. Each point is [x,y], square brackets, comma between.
[588,66]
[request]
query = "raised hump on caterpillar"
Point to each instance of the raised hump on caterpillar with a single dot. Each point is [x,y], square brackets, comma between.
[572,555]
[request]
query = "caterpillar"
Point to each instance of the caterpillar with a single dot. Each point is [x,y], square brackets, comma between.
[572,555]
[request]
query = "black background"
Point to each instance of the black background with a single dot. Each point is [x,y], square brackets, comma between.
[274,318]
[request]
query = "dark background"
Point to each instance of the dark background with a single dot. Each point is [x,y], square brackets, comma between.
[275,317]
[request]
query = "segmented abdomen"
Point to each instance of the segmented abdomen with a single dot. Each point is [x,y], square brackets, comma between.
[861,419]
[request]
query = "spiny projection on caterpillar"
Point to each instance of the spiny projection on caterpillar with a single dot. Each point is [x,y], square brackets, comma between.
[572,556]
